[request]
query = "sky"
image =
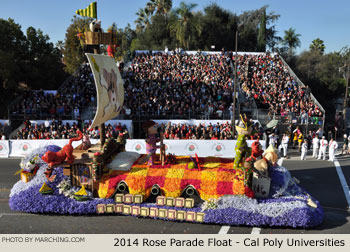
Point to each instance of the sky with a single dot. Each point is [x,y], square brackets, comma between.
[324,19]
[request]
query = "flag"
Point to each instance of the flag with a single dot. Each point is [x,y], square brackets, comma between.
[90,11]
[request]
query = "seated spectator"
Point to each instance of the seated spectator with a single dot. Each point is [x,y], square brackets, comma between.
[57,130]
[210,132]
[77,93]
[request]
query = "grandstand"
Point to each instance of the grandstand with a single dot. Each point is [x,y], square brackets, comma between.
[186,85]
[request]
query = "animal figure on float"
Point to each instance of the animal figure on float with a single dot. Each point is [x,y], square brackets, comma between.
[65,154]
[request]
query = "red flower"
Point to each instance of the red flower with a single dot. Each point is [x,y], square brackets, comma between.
[248,192]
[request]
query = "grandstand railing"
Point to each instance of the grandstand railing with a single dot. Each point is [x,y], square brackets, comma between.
[90,111]
[225,115]
[265,115]
[38,114]
[303,85]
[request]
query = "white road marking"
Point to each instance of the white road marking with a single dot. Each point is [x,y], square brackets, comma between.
[224,229]
[280,161]
[342,181]
[256,230]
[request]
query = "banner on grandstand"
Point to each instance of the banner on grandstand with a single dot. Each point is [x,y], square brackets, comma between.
[4,149]
[109,87]
[203,148]
[196,52]
[198,122]
[20,148]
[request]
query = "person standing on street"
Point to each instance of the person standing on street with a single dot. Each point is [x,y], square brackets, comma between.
[333,145]
[345,144]
[284,144]
[315,146]
[300,140]
[323,148]
[303,150]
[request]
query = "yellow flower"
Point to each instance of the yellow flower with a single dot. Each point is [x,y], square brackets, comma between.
[209,175]
[175,173]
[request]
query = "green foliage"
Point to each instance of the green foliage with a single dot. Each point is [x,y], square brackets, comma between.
[29,61]
[157,27]
[187,25]
[321,73]
[124,39]
[248,33]
[13,55]
[318,46]
[44,61]
[73,51]
[157,36]
[143,20]
[262,33]
[161,7]
[291,40]
[218,28]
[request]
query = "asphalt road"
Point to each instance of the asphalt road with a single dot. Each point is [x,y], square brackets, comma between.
[319,178]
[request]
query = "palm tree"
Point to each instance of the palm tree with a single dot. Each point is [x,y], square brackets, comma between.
[144,19]
[187,25]
[162,6]
[317,45]
[291,39]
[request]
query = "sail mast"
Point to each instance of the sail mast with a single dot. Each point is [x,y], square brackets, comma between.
[102,126]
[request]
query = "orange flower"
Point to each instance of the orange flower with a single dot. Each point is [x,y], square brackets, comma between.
[208,187]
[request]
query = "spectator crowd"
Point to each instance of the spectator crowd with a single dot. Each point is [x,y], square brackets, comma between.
[265,78]
[69,100]
[178,84]
[56,129]
[218,131]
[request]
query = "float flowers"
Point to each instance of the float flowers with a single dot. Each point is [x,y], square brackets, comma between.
[288,204]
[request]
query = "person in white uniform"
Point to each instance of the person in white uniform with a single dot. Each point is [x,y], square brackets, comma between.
[323,148]
[315,146]
[284,145]
[303,150]
[333,145]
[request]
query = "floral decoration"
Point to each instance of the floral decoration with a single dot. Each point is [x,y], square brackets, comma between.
[287,204]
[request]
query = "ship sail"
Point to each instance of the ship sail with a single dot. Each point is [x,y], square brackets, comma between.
[109,87]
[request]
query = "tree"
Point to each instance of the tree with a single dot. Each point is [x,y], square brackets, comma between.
[13,56]
[262,33]
[144,19]
[162,7]
[44,64]
[73,50]
[218,26]
[318,46]
[272,39]
[124,41]
[321,74]
[186,26]
[29,61]
[291,40]
[248,33]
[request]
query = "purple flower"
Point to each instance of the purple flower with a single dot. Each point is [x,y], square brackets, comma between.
[287,205]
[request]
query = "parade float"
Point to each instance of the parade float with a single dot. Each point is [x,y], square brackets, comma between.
[250,189]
